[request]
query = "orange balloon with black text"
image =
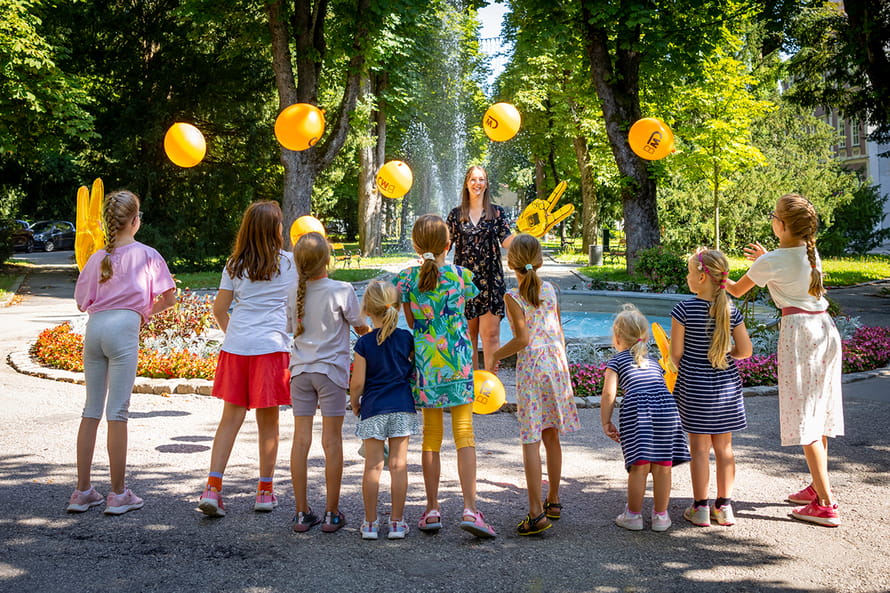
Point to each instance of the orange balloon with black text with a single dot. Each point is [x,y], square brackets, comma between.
[394,179]
[501,122]
[299,126]
[488,392]
[651,139]
[184,145]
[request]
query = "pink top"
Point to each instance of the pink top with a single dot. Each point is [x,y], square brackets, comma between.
[140,275]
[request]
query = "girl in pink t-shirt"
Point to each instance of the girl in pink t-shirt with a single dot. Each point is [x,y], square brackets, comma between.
[120,287]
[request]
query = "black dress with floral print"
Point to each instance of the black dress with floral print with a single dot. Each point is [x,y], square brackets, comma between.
[477,247]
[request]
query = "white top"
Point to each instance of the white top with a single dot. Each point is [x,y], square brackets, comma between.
[330,308]
[786,273]
[258,323]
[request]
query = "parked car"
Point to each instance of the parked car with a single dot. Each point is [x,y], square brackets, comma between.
[50,235]
[19,233]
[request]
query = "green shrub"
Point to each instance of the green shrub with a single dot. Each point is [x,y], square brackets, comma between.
[662,268]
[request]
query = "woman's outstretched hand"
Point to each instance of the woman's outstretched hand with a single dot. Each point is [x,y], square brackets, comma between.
[753,251]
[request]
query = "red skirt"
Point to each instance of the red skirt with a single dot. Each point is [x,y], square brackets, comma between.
[261,381]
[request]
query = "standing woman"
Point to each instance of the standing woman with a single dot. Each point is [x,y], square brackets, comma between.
[478,230]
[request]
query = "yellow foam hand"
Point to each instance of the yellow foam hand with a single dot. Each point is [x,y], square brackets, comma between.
[90,237]
[97,202]
[664,347]
[538,217]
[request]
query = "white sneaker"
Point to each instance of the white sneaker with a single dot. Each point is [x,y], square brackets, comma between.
[698,516]
[397,529]
[628,521]
[661,521]
[723,515]
[369,530]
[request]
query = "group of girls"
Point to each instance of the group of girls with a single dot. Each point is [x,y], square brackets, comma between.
[267,293]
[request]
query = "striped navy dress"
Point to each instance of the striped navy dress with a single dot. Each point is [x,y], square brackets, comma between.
[648,421]
[709,399]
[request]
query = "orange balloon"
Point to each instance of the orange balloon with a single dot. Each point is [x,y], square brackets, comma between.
[489,394]
[184,145]
[299,126]
[394,179]
[651,139]
[501,122]
[303,225]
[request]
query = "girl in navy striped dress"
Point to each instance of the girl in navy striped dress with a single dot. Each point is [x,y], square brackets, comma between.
[649,430]
[707,335]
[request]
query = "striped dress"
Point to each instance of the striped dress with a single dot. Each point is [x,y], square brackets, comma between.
[648,421]
[709,399]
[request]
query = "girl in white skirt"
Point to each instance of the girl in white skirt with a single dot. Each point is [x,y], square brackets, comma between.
[809,356]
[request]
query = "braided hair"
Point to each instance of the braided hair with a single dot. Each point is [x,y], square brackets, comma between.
[801,219]
[119,208]
[312,255]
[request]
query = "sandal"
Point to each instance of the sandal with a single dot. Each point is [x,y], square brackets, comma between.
[477,526]
[553,510]
[425,525]
[529,526]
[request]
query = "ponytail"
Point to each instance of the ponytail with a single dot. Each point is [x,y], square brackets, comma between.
[430,237]
[631,327]
[429,274]
[381,302]
[715,266]
[525,257]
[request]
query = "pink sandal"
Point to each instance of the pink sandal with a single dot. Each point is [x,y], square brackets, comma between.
[425,525]
[477,526]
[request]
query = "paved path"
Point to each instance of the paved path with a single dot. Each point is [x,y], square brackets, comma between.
[167,547]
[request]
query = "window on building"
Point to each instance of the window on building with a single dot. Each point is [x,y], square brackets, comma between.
[854,133]
[842,141]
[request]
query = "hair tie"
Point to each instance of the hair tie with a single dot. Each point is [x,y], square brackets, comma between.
[723,285]
[813,266]
[640,339]
[701,263]
[429,256]
[529,267]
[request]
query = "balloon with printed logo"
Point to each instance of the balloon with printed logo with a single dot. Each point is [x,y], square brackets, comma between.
[489,394]
[394,179]
[651,139]
[184,145]
[501,122]
[299,126]
[303,225]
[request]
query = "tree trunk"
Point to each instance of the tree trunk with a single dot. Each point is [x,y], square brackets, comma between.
[589,208]
[370,201]
[618,92]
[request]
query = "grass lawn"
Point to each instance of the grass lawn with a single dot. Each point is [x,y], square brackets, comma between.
[210,280]
[9,273]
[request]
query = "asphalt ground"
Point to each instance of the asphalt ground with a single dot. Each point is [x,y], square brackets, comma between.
[167,546]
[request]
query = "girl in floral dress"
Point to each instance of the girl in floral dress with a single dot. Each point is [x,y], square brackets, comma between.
[545,401]
[433,296]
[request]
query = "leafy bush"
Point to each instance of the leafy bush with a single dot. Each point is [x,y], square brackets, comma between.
[587,379]
[858,225]
[662,268]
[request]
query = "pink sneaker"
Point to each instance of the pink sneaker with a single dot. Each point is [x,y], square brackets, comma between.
[211,503]
[265,501]
[805,496]
[477,526]
[83,501]
[118,504]
[815,513]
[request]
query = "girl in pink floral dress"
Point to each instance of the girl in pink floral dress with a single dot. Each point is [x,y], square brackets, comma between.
[545,402]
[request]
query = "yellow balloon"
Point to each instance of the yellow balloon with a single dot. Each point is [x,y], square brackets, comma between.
[651,139]
[501,122]
[489,392]
[394,179]
[299,126]
[303,225]
[184,145]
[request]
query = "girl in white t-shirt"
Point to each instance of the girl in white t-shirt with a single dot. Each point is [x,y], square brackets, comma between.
[120,286]
[323,310]
[252,372]
[809,353]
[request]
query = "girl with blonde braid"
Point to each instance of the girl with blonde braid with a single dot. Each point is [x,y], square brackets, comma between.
[809,352]
[708,335]
[323,311]
[380,391]
[120,287]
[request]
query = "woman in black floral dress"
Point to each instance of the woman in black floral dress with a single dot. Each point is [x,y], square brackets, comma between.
[478,231]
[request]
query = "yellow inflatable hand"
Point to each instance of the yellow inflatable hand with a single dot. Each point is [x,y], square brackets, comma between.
[90,237]
[537,218]
[664,346]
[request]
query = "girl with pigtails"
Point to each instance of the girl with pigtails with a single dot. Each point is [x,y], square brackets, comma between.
[809,351]
[322,312]
[708,335]
[545,402]
[120,287]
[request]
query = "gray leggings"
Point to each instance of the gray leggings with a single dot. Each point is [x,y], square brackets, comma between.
[110,352]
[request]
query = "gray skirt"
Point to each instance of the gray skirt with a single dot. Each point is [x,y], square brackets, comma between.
[384,426]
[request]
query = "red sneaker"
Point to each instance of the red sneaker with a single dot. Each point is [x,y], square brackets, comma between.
[805,496]
[815,513]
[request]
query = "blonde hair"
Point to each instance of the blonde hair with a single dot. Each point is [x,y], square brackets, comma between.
[430,235]
[716,268]
[118,208]
[525,257]
[258,243]
[631,327]
[312,255]
[381,301]
[801,219]
[487,207]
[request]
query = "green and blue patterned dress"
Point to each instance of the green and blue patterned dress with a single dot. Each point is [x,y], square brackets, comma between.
[443,355]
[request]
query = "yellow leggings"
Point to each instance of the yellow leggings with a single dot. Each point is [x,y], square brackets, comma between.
[461,427]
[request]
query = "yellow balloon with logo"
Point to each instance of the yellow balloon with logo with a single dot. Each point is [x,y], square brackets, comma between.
[299,126]
[394,179]
[501,122]
[651,139]
[489,394]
